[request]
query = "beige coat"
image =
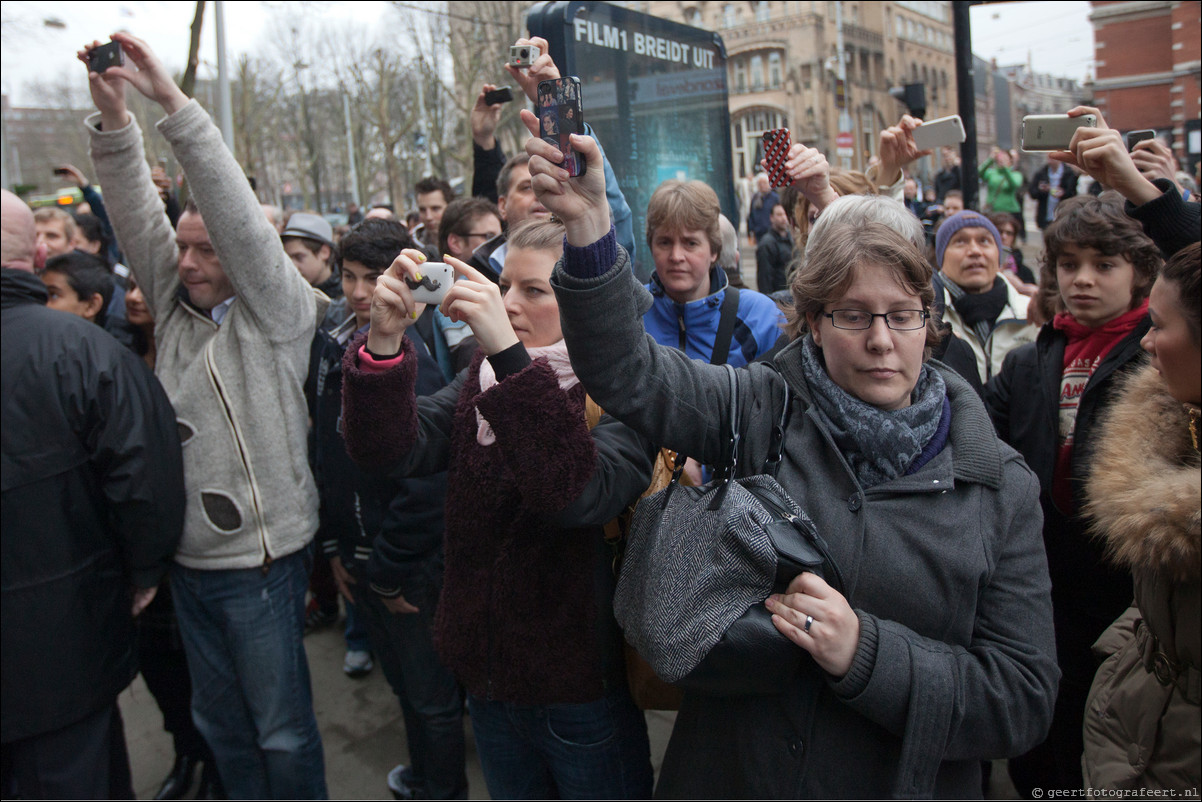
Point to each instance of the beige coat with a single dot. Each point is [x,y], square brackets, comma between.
[1011,331]
[237,388]
[1142,724]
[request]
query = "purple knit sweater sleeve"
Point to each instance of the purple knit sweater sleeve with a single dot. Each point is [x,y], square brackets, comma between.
[593,260]
[379,410]
[542,432]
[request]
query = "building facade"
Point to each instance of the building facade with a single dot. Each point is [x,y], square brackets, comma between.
[783,67]
[1149,64]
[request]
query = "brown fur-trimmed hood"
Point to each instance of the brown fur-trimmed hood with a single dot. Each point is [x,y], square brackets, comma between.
[1143,493]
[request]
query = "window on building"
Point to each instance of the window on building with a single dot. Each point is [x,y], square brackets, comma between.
[740,76]
[774,71]
[757,73]
[728,16]
[762,11]
[694,17]
[749,128]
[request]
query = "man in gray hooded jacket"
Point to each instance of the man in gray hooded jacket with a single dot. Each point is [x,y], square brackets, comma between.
[234,324]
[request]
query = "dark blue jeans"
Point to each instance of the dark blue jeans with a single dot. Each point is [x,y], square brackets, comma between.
[431,700]
[251,696]
[594,750]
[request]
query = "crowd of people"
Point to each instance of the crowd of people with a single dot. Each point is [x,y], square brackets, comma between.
[221,418]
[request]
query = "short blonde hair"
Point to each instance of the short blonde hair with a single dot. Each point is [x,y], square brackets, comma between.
[48,213]
[685,206]
[537,234]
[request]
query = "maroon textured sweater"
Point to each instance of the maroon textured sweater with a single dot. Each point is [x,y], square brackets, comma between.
[518,616]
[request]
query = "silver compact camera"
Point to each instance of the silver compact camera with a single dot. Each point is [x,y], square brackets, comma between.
[523,56]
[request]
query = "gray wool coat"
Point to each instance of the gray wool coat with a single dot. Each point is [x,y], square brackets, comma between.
[945,569]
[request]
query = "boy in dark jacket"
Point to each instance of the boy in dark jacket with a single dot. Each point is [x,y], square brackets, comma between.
[384,537]
[1046,402]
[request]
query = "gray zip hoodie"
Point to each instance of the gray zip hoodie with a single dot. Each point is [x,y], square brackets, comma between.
[237,387]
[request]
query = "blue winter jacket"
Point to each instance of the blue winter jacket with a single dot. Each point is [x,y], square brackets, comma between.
[692,327]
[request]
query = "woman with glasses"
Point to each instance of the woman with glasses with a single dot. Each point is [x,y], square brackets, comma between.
[939,654]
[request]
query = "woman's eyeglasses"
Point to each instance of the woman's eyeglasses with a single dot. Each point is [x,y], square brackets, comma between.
[900,320]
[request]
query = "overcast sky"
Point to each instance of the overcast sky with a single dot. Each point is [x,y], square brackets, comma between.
[39,39]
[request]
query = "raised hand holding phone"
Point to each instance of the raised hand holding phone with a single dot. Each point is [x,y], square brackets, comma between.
[477,301]
[579,202]
[148,76]
[484,117]
[898,148]
[1101,151]
[393,309]
[810,172]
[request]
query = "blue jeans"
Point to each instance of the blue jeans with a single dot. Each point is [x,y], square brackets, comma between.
[431,700]
[251,697]
[355,633]
[594,750]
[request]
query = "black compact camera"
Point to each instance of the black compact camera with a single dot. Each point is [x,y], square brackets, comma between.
[105,56]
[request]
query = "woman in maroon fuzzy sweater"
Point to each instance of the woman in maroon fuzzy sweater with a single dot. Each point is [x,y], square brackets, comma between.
[525,618]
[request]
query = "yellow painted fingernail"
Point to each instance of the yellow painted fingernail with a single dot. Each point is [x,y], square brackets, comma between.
[418,276]
[413,314]
[445,257]
[421,257]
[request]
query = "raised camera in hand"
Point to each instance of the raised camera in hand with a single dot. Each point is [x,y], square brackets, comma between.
[523,56]
[105,56]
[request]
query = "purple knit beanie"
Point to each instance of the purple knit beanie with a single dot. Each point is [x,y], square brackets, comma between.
[959,220]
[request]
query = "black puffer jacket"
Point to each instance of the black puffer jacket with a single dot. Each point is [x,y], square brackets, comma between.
[92,503]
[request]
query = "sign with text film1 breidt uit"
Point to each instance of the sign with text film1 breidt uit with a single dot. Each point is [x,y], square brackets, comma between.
[654,92]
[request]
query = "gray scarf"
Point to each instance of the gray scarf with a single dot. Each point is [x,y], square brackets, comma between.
[879,445]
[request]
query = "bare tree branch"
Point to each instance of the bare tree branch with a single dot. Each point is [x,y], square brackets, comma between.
[188,82]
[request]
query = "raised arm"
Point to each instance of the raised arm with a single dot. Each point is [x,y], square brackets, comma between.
[135,210]
[249,249]
[386,427]
[487,156]
[659,392]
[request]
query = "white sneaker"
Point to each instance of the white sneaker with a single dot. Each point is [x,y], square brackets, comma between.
[357,664]
[399,783]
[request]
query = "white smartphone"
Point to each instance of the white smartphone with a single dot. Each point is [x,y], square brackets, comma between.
[941,133]
[436,281]
[1047,132]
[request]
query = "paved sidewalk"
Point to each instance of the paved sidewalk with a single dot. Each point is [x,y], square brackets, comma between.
[360,724]
[361,728]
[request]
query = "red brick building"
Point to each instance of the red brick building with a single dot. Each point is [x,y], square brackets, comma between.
[1149,69]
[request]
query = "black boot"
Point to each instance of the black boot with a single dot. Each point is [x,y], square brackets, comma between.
[210,783]
[179,781]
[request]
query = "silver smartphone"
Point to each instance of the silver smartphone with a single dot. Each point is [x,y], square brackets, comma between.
[1047,132]
[941,133]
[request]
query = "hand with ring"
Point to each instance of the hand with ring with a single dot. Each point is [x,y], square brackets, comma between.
[817,618]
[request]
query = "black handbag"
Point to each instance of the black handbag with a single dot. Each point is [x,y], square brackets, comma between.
[699,563]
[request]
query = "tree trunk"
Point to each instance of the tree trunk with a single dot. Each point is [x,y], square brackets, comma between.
[188,82]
